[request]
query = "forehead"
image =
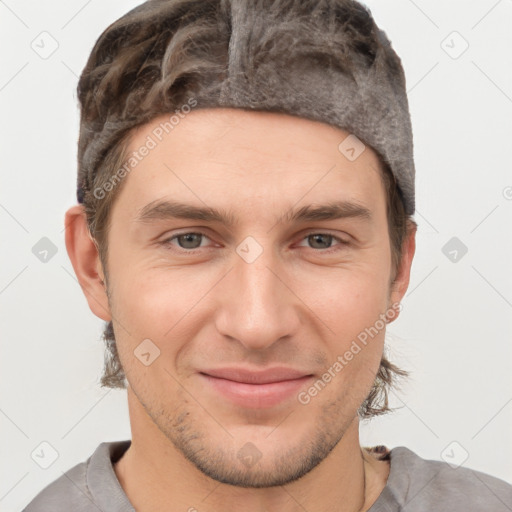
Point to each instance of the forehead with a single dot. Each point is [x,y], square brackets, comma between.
[246,157]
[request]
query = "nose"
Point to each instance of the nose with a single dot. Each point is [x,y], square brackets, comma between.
[257,304]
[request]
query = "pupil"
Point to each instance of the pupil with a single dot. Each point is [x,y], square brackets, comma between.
[319,237]
[189,237]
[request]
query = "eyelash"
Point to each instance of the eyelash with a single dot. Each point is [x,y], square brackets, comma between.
[167,242]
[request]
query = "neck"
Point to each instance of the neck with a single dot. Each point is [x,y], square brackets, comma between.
[156,477]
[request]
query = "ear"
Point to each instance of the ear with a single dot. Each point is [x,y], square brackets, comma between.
[86,262]
[401,282]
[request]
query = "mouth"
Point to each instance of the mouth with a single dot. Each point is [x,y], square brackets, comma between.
[251,389]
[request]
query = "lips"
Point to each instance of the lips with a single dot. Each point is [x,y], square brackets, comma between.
[278,374]
[255,389]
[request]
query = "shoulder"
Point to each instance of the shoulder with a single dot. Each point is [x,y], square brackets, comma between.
[68,492]
[420,484]
[84,487]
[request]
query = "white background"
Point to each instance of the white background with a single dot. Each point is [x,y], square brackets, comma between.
[454,333]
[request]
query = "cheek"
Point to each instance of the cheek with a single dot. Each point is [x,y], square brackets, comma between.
[350,308]
[348,300]
[157,303]
[159,307]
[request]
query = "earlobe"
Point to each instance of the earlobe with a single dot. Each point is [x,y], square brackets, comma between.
[86,262]
[401,283]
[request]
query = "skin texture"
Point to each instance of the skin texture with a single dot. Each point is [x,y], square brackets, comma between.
[295,305]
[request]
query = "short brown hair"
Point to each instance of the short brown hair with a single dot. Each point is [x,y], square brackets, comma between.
[164,53]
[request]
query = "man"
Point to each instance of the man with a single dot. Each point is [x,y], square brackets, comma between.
[244,227]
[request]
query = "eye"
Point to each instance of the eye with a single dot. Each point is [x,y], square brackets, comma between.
[186,240]
[190,241]
[321,240]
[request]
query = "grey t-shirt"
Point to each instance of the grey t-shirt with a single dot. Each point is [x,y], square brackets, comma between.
[414,485]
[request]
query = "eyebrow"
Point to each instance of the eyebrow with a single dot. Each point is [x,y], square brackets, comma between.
[167,210]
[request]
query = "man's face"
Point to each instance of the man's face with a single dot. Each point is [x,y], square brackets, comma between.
[266,291]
